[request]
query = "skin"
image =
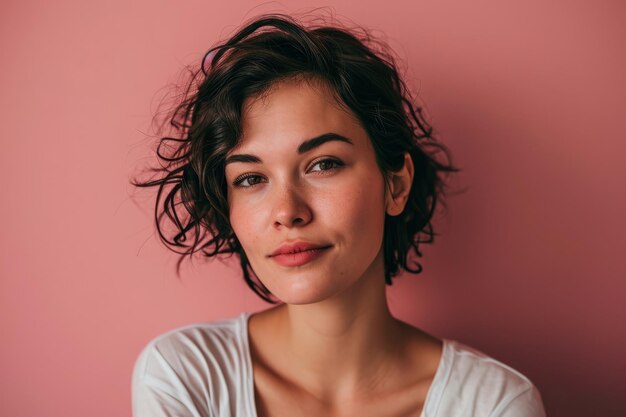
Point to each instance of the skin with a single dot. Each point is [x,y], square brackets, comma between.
[333,347]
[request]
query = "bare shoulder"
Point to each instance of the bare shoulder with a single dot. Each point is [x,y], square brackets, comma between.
[423,350]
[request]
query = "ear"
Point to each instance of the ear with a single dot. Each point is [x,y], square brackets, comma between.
[399,185]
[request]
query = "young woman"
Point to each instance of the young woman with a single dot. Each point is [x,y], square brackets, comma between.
[301,151]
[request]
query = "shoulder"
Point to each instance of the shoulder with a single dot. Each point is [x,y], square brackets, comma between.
[208,344]
[194,366]
[476,366]
[472,380]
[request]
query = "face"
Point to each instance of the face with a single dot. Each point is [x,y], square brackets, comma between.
[331,194]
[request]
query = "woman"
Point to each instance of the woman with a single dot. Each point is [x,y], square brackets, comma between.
[301,151]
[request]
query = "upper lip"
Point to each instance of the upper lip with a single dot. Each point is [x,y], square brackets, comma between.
[296,246]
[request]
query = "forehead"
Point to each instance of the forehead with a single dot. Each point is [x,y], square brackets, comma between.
[311,92]
[293,110]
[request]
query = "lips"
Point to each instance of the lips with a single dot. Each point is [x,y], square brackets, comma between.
[296,247]
[299,259]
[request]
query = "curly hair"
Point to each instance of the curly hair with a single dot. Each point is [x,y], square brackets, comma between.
[207,124]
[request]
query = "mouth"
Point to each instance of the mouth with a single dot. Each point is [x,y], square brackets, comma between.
[300,257]
[292,252]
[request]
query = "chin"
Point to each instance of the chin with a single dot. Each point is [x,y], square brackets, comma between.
[305,294]
[299,297]
[301,300]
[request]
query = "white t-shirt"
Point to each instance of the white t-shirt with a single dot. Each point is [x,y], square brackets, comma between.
[205,370]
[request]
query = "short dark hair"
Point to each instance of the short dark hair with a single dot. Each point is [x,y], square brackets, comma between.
[363,75]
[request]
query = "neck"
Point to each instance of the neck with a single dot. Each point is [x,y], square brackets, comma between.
[343,347]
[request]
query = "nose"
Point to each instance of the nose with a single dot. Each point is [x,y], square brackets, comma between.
[290,208]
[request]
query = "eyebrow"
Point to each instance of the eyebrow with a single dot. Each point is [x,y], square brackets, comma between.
[304,147]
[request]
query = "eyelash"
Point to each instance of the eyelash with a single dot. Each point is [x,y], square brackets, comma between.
[237,182]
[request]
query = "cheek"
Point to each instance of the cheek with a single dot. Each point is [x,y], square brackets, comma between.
[242,222]
[361,209]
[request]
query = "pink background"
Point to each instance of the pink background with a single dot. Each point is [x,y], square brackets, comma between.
[530,97]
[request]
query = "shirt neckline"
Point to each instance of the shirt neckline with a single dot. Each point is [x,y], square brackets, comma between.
[432,396]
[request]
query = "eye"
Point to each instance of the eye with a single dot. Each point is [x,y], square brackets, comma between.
[328,162]
[239,181]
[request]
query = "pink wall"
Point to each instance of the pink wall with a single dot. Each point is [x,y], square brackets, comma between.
[530,97]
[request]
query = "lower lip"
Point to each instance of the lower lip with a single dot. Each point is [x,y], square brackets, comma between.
[299,258]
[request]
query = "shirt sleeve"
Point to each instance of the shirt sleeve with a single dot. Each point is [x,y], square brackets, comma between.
[157,390]
[527,404]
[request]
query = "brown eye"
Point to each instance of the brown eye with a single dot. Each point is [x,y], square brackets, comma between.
[327,164]
[239,181]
